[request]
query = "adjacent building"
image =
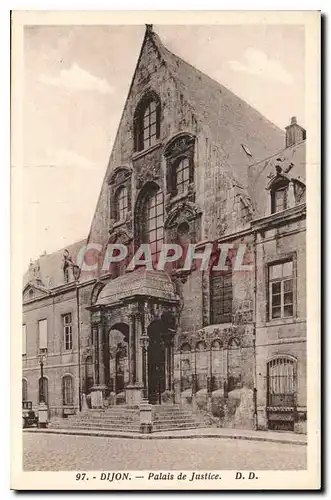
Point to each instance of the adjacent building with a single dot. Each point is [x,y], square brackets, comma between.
[191,164]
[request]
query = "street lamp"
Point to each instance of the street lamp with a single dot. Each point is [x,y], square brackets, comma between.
[42,409]
[144,342]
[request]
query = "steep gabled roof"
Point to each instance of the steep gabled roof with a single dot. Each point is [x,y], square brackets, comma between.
[232,123]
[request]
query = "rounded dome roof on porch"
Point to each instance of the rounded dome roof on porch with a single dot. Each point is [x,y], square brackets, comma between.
[141,282]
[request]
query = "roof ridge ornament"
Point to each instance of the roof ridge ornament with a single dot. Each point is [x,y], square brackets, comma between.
[149,29]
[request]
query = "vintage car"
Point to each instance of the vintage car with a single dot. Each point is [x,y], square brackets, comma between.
[29,417]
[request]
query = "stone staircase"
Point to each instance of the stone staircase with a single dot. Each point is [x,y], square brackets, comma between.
[127,419]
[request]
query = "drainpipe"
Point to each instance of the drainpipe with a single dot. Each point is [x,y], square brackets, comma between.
[254,332]
[78,350]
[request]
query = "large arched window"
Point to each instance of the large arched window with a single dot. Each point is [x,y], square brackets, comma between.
[67,390]
[24,389]
[43,390]
[147,122]
[153,222]
[121,203]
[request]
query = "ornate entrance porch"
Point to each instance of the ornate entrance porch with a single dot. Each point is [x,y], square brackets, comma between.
[133,324]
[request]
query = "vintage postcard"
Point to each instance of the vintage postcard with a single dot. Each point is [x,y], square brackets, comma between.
[165,250]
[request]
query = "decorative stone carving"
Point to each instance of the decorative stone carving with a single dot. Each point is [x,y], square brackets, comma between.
[120,235]
[181,145]
[120,175]
[34,270]
[148,167]
[182,212]
[148,175]
[99,285]
[68,265]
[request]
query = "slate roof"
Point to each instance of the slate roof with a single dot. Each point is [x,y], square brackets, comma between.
[230,120]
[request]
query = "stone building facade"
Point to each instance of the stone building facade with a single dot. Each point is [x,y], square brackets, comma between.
[191,164]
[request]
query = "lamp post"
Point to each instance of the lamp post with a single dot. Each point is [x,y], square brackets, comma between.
[144,342]
[42,409]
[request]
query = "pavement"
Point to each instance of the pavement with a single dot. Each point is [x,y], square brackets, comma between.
[221,433]
[45,451]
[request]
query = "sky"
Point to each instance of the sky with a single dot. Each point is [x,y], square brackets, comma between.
[75,85]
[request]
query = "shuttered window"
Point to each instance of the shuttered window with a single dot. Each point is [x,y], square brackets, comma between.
[42,327]
[221,297]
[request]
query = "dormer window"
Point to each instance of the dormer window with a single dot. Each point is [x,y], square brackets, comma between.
[147,122]
[279,196]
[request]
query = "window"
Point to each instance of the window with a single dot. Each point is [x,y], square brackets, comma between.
[153,222]
[43,390]
[281,382]
[182,176]
[67,390]
[121,200]
[24,389]
[279,200]
[42,328]
[179,154]
[23,339]
[67,331]
[147,123]
[221,296]
[281,290]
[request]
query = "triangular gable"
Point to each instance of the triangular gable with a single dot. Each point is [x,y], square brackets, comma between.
[33,291]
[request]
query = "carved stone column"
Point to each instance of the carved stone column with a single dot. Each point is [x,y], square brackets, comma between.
[132,348]
[168,339]
[134,388]
[100,348]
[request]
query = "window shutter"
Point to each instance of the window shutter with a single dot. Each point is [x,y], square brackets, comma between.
[42,334]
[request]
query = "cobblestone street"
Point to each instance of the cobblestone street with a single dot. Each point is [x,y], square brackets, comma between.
[58,452]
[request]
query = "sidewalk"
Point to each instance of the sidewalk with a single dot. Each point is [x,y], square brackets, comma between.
[221,433]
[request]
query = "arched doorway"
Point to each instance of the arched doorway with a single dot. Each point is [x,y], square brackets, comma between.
[156,362]
[118,357]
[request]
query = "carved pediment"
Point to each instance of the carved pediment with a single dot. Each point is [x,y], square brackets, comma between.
[120,175]
[33,291]
[120,235]
[184,144]
[183,212]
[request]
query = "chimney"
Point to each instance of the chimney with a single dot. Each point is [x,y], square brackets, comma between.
[294,133]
